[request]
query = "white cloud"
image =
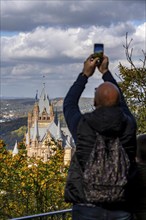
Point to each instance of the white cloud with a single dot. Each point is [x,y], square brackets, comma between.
[60,38]
[27,15]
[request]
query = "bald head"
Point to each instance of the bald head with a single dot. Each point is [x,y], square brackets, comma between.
[107,94]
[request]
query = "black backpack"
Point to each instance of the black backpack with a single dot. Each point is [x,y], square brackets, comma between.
[106,172]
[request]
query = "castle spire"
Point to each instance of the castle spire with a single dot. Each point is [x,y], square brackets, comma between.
[59,135]
[44,102]
[15,150]
[36,97]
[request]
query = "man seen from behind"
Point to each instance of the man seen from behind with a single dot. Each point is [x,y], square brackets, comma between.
[111,117]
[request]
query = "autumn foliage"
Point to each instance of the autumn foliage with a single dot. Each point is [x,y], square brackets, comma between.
[133,85]
[29,186]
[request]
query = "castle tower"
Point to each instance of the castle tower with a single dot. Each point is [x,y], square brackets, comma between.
[43,126]
[39,119]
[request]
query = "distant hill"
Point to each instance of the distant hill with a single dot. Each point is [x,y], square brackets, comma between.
[14,116]
[13,130]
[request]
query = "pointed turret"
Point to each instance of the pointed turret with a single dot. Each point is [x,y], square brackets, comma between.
[44,102]
[36,97]
[15,150]
[59,135]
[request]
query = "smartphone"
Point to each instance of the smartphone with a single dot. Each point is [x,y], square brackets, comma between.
[98,52]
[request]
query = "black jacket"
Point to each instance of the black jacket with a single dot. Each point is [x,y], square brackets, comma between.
[109,121]
[137,192]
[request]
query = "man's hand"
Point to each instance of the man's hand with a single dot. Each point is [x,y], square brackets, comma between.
[103,68]
[89,66]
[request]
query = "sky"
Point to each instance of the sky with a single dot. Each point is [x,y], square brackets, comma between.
[46,42]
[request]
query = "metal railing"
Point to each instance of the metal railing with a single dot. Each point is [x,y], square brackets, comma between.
[56,215]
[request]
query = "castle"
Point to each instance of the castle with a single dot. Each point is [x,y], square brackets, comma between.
[43,126]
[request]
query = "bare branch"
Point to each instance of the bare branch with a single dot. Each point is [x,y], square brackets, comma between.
[127,52]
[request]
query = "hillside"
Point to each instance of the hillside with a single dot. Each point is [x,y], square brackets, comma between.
[14,113]
[13,130]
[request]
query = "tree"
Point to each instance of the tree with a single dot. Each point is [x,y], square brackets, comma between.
[30,186]
[133,85]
